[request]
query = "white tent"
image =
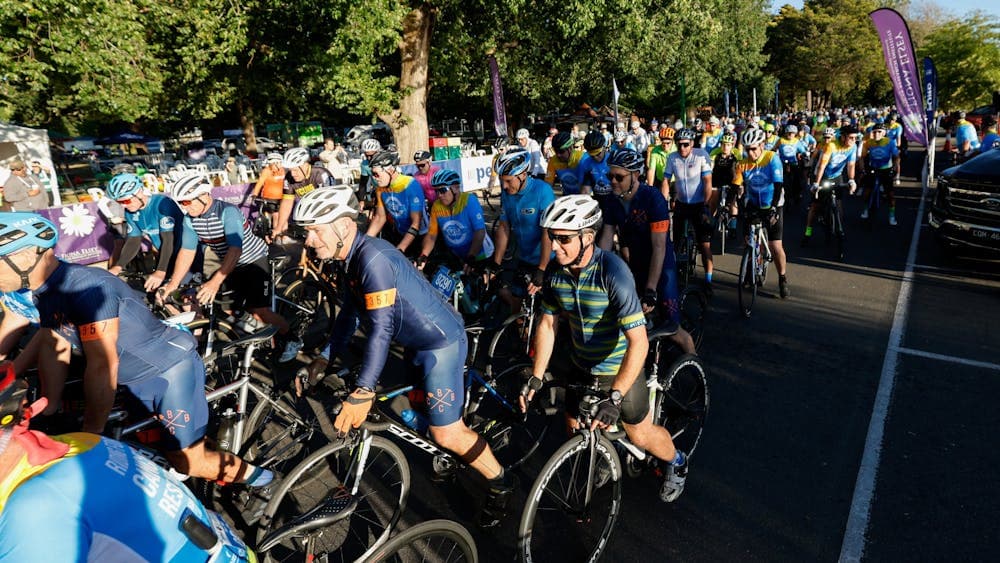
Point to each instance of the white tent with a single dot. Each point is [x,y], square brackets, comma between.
[26,144]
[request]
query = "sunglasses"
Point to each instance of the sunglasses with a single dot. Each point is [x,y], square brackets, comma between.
[125,201]
[443,189]
[563,240]
[187,202]
[422,164]
[684,144]
[618,177]
[596,153]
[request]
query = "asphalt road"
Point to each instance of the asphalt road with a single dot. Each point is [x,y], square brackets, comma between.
[793,391]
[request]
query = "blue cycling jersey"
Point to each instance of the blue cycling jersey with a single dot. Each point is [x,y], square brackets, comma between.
[880,153]
[989,140]
[965,132]
[810,142]
[103,501]
[523,213]
[712,141]
[402,197]
[220,227]
[595,173]
[458,223]
[393,302]
[21,304]
[160,214]
[759,177]
[837,158]
[789,150]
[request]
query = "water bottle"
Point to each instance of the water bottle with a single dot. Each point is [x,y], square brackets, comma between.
[415,420]
[227,430]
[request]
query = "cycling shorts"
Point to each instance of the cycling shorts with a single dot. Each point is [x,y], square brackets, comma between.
[251,283]
[635,403]
[177,398]
[775,231]
[695,214]
[444,380]
[885,176]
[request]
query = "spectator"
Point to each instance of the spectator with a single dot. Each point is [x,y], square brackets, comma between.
[42,173]
[425,171]
[547,152]
[22,191]
[232,171]
[537,169]
[333,154]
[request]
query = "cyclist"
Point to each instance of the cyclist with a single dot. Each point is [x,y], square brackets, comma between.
[500,146]
[771,139]
[243,268]
[369,148]
[879,163]
[658,161]
[271,185]
[990,136]
[97,313]
[760,174]
[595,290]
[425,171]
[398,199]
[593,168]
[621,142]
[521,204]
[966,138]
[386,295]
[303,178]
[641,218]
[538,164]
[154,216]
[724,160]
[459,217]
[828,137]
[793,154]
[562,166]
[691,170]
[712,135]
[894,131]
[835,165]
[106,501]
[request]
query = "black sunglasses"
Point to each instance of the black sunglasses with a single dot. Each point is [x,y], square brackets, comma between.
[684,144]
[561,239]
[442,189]
[618,177]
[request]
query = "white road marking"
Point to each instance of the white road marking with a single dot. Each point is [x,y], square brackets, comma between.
[853,547]
[952,359]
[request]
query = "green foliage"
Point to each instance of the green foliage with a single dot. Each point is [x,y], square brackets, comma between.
[967,56]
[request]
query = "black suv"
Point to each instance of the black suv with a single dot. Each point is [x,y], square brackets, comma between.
[966,209]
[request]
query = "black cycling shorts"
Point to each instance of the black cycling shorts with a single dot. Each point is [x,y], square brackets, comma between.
[635,403]
[251,283]
[695,214]
[775,231]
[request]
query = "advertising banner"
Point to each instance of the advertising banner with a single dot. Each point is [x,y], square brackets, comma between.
[898,50]
[499,109]
[930,97]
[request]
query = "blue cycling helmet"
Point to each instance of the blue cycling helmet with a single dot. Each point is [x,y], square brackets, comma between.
[513,162]
[123,186]
[445,177]
[21,230]
[628,159]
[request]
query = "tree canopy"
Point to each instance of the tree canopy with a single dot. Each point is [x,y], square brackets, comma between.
[967,56]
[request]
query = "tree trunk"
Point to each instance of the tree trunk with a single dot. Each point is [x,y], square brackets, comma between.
[245,109]
[409,121]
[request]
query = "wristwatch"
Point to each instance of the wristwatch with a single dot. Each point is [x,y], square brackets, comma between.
[616,397]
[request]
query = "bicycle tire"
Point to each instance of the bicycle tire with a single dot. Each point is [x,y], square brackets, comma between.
[512,437]
[546,531]
[310,311]
[509,345]
[224,333]
[430,538]
[746,288]
[681,406]
[694,307]
[382,494]
[289,275]
[278,437]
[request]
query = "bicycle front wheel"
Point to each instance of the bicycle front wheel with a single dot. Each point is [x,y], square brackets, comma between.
[694,306]
[436,541]
[496,416]
[682,404]
[381,496]
[747,285]
[558,524]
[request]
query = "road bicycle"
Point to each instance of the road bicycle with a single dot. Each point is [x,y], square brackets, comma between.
[687,256]
[753,266]
[723,216]
[831,215]
[436,541]
[577,493]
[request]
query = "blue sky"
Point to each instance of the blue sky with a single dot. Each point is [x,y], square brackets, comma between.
[957,7]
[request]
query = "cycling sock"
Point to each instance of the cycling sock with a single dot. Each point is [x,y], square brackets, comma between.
[783,278]
[809,231]
[258,477]
[678,458]
[708,277]
[501,478]
[892,210]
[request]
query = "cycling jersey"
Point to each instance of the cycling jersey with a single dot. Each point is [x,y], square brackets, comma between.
[723,167]
[759,177]
[458,223]
[770,142]
[688,173]
[274,184]
[160,214]
[712,142]
[836,158]
[402,197]
[879,153]
[615,147]
[790,149]
[566,172]
[965,132]
[20,303]
[989,140]
[523,213]
[425,182]
[894,131]
[594,173]
[658,160]
[220,227]
[601,305]
[317,178]
[103,501]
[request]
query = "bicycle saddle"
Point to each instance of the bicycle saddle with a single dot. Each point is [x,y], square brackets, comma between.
[260,336]
[668,328]
[340,504]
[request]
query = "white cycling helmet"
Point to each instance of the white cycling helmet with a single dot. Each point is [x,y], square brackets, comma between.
[620,136]
[190,187]
[572,213]
[523,134]
[295,157]
[371,145]
[275,158]
[753,137]
[325,205]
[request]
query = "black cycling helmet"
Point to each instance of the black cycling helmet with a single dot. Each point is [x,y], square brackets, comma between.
[384,158]
[594,141]
[12,391]
[501,142]
[628,159]
[847,130]
[685,135]
[562,141]
[421,155]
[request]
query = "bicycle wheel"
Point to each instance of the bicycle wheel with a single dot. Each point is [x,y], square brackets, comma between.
[216,372]
[494,413]
[556,524]
[443,541]
[694,306]
[747,286]
[682,405]
[381,496]
[310,308]
[278,435]
[509,346]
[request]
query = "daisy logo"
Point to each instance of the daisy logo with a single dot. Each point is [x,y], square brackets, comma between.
[76,220]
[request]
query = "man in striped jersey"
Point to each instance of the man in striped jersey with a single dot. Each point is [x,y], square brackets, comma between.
[222,227]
